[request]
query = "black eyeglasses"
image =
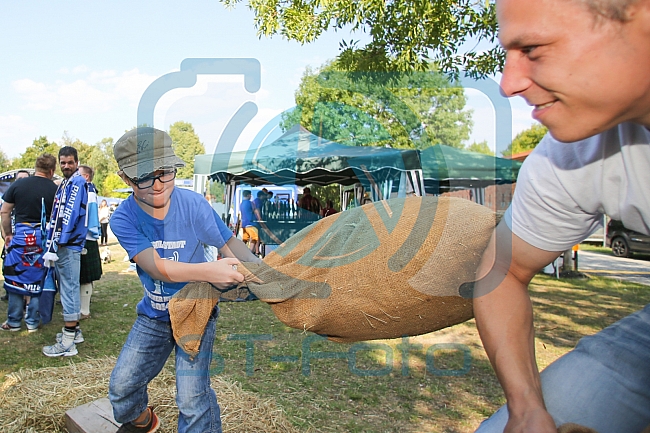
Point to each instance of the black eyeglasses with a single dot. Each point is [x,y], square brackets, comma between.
[147,182]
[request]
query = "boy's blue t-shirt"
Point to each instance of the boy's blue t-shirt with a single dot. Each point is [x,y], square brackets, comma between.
[190,223]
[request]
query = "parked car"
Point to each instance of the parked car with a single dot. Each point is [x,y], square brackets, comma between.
[624,242]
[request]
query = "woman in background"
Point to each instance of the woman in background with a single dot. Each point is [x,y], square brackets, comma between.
[104,214]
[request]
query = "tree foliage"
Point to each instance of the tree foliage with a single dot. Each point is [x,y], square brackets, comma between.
[101,159]
[480,147]
[111,183]
[401,110]
[526,140]
[405,34]
[5,162]
[186,145]
[38,147]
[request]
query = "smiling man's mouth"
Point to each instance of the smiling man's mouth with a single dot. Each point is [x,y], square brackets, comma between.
[542,106]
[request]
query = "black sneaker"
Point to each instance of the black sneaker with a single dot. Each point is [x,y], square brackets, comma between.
[152,425]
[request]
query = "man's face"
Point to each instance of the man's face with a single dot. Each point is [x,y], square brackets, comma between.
[584,74]
[156,196]
[68,165]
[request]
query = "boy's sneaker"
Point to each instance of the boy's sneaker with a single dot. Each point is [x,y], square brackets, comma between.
[59,350]
[151,426]
[78,336]
[32,329]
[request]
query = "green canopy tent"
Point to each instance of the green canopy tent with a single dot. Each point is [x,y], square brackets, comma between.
[446,168]
[301,158]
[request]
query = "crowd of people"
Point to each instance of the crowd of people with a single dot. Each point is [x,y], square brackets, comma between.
[264,207]
[50,237]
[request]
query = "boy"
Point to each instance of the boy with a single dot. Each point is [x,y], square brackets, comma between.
[163,230]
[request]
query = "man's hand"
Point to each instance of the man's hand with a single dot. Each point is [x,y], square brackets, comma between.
[8,239]
[533,421]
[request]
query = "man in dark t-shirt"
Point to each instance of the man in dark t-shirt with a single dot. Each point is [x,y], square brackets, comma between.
[25,197]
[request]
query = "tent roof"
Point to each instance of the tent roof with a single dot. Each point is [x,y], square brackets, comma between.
[302,158]
[460,167]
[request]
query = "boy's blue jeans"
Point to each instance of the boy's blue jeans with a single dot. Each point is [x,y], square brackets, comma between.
[143,356]
[604,383]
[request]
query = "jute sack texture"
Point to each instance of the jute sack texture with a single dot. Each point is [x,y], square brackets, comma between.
[189,311]
[384,270]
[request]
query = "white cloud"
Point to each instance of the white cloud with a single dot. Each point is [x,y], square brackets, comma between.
[130,84]
[99,92]
[13,130]
[36,95]
[80,69]
[81,97]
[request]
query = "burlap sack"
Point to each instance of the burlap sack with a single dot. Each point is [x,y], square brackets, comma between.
[189,311]
[384,270]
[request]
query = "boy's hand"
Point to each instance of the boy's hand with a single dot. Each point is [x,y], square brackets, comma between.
[224,273]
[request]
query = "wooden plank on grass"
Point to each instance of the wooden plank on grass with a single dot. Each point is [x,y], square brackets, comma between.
[93,417]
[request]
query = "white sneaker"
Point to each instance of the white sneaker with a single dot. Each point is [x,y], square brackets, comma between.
[59,350]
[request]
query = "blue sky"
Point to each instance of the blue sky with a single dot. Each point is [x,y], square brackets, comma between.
[82,67]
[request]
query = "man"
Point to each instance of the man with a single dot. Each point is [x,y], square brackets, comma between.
[91,262]
[67,237]
[28,200]
[20,174]
[249,217]
[259,201]
[163,229]
[584,66]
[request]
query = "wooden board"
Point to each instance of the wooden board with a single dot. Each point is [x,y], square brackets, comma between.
[93,417]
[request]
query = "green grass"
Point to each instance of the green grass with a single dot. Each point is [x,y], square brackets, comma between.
[329,393]
[596,249]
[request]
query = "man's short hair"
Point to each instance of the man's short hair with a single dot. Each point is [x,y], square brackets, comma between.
[86,169]
[611,9]
[45,163]
[261,194]
[246,193]
[69,151]
[22,171]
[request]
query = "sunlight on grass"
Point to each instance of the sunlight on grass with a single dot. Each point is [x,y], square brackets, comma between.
[438,382]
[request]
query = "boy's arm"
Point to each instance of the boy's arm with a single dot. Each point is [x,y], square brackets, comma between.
[220,273]
[504,318]
[237,249]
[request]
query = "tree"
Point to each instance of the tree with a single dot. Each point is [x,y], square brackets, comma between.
[186,145]
[405,34]
[5,162]
[526,140]
[402,110]
[481,147]
[38,147]
[102,160]
[112,182]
